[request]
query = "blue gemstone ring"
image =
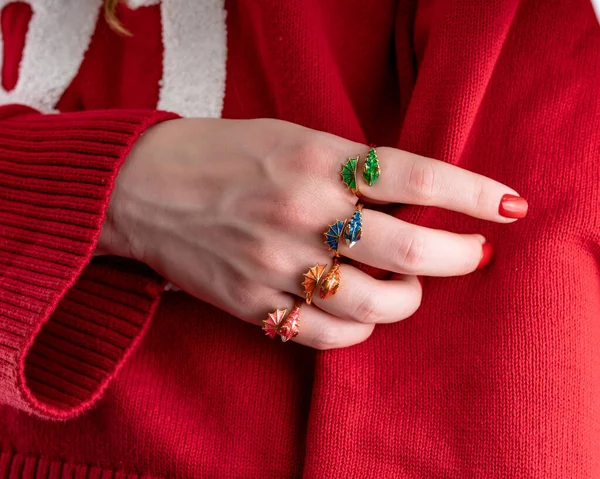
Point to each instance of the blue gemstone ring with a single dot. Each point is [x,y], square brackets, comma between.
[350,230]
[353,229]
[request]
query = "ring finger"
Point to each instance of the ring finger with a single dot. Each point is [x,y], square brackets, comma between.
[364,299]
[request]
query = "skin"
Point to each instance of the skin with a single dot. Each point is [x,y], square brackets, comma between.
[233,212]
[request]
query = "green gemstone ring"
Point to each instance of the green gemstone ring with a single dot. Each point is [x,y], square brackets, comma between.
[371,170]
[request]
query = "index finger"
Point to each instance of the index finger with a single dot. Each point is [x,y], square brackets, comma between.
[413,179]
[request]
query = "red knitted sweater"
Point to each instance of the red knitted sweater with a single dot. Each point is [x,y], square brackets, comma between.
[496,376]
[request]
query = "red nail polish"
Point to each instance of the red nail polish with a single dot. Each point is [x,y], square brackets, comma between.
[512,206]
[486,254]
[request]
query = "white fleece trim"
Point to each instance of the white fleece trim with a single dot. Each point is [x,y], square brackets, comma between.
[194,65]
[195,54]
[133,4]
[58,36]
[596,5]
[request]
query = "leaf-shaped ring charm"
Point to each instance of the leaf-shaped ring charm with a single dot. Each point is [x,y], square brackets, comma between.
[371,169]
[291,325]
[272,323]
[312,280]
[331,281]
[353,228]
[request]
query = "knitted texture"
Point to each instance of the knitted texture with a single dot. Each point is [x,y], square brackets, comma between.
[57,350]
[17,465]
[497,375]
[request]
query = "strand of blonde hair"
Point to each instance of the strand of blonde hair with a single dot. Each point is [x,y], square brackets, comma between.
[110,14]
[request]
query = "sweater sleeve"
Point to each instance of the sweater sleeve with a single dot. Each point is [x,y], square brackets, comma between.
[67,324]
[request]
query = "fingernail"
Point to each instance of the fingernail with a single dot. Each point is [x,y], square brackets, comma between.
[512,206]
[420,278]
[486,255]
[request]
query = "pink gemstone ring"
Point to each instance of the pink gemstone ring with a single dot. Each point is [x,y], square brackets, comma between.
[279,322]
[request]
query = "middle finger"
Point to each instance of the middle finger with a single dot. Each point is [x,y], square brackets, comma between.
[394,245]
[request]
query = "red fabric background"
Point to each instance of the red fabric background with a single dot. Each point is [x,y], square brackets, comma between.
[497,375]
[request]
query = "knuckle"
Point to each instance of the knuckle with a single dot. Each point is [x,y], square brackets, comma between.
[284,211]
[366,310]
[307,155]
[330,337]
[242,296]
[478,196]
[269,259]
[408,253]
[326,338]
[423,181]
[315,152]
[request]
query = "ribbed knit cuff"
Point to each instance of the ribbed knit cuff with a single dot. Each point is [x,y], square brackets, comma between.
[66,326]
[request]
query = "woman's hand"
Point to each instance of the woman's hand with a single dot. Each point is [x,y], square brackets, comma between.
[233,212]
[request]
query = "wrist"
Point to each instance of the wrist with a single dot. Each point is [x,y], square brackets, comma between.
[113,239]
[117,237]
